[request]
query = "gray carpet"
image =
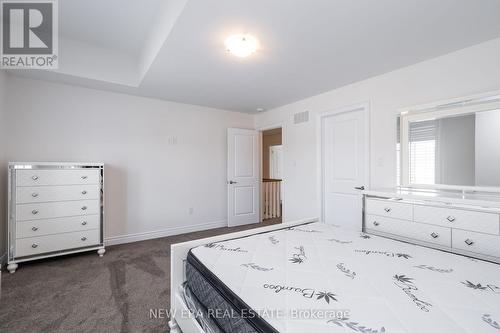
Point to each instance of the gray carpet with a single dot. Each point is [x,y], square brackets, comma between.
[85,293]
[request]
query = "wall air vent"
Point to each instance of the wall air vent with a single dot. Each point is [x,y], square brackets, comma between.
[301,117]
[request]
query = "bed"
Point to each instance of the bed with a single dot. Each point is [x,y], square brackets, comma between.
[312,277]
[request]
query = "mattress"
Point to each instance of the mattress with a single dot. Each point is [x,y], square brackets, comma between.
[321,278]
[199,311]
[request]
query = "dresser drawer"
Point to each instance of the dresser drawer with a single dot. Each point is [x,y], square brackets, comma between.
[50,243]
[38,177]
[458,218]
[475,242]
[422,232]
[392,209]
[50,210]
[31,194]
[36,228]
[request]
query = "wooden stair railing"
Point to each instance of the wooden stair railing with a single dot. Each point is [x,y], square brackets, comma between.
[271,192]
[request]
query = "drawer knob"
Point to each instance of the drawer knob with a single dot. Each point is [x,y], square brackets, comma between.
[34,245]
[434,235]
[375,223]
[34,228]
[450,218]
[469,241]
[34,194]
[84,239]
[84,192]
[34,212]
[84,208]
[387,209]
[35,177]
[84,223]
[84,177]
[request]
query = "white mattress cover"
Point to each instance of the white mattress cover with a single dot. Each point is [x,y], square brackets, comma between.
[385,285]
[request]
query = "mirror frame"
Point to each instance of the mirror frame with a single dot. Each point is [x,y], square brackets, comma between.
[455,107]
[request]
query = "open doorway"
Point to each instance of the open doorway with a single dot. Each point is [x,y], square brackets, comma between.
[272,176]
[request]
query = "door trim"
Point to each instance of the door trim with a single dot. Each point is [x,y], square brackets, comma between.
[283,180]
[365,107]
[229,166]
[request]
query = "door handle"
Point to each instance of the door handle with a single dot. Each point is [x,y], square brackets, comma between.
[362,188]
[232,182]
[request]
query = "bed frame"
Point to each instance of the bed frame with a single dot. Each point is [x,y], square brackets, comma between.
[187,324]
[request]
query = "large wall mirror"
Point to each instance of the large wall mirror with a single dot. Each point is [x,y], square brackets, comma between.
[456,147]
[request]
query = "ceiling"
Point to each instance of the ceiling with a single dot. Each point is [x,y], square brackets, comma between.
[117,24]
[173,49]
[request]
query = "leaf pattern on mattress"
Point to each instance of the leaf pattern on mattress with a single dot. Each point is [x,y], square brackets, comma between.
[478,286]
[339,241]
[487,319]
[298,258]
[273,240]
[346,271]
[407,285]
[357,327]
[404,279]
[327,296]
[434,269]
[388,254]
[257,267]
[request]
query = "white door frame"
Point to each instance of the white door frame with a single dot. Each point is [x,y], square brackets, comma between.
[234,178]
[283,182]
[319,149]
[272,161]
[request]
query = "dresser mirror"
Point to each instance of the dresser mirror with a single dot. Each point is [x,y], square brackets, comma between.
[456,146]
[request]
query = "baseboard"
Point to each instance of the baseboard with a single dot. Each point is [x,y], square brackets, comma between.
[130,238]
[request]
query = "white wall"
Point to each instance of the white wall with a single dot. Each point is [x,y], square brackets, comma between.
[150,184]
[3,167]
[488,148]
[469,71]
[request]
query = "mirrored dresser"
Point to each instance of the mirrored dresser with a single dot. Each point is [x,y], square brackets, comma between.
[467,224]
[54,209]
[448,197]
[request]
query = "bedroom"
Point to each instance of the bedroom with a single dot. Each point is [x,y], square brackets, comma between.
[150,90]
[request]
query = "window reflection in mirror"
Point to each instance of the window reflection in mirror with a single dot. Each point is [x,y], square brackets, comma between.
[455,150]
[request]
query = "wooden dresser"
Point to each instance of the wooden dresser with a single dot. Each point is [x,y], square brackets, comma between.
[468,225]
[54,209]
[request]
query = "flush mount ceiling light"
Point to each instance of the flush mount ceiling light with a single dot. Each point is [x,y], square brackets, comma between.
[241,45]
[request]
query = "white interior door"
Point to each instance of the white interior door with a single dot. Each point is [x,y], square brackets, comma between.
[343,164]
[243,176]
